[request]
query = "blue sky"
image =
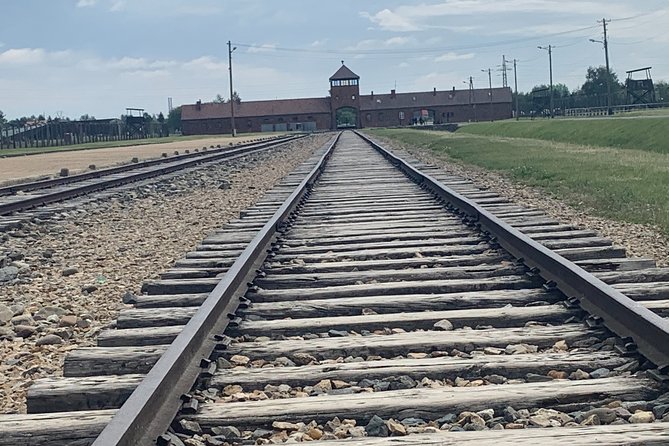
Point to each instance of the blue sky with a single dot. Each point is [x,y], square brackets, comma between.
[100,56]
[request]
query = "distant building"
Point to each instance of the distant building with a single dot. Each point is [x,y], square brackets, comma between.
[346,108]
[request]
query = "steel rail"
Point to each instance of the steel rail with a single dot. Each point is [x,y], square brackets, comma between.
[43,184]
[30,202]
[619,313]
[152,406]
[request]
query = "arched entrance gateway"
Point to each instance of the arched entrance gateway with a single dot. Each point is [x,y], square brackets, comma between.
[346,118]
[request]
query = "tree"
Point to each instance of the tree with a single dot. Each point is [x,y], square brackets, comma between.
[559,90]
[3,120]
[161,117]
[174,119]
[595,82]
[87,117]
[147,117]
[220,100]
[662,91]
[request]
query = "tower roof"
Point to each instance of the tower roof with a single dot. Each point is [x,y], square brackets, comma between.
[344,73]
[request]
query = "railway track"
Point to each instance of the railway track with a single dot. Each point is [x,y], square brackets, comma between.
[363,299]
[28,196]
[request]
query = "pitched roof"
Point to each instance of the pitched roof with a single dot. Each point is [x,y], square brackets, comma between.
[282,107]
[344,73]
[425,99]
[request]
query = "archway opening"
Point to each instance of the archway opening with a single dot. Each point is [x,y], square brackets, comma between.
[347,117]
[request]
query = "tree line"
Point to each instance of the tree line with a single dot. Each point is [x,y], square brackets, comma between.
[593,93]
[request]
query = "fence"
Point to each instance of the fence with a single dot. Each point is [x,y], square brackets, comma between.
[617,109]
[65,133]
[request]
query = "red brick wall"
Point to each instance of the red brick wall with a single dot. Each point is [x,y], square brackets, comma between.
[250,125]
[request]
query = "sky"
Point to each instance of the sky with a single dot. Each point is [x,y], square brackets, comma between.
[97,57]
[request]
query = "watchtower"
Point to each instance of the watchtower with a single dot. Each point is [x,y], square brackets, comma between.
[135,122]
[640,91]
[345,98]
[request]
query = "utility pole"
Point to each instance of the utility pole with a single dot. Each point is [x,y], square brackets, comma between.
[232,102]
[489,70]
[505,81]
[604,22]
[550,66]
[515,81]
[472,99]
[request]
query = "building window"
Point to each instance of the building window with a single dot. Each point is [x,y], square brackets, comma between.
[249,123]
[368,116]
[295,118]
[280,119]
[353,97]
[401,115]
[310,117]
[380,116]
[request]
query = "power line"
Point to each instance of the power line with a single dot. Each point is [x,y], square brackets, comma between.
[432,50]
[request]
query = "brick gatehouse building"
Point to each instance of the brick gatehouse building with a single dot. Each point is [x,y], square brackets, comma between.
[346,108]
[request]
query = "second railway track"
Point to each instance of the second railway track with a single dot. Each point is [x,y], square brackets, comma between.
[381,310]
[26,196]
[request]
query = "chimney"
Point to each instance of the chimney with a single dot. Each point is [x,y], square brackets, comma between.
[392,93]
[198,104]
[372,95]
[453,89]
[434,92]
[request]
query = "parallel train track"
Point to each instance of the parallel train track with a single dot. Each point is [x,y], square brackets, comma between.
[364,297]
[26,196]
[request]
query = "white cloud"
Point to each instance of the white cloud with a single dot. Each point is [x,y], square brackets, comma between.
[22,56]
[118,5]
[86,3]
[376,44]
[391,21]
[451,56]
[438,80]
[264,48]
[418,17]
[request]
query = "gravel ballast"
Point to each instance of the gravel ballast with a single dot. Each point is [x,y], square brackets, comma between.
[638,240]
[63,279]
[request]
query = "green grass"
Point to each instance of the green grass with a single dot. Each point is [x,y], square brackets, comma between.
[625,185]
[108,144]
[650,133]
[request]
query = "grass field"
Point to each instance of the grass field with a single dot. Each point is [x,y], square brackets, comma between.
[641,133]
[107,144]
[627,185]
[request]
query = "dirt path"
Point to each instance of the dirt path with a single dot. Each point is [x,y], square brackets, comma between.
[49,164]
